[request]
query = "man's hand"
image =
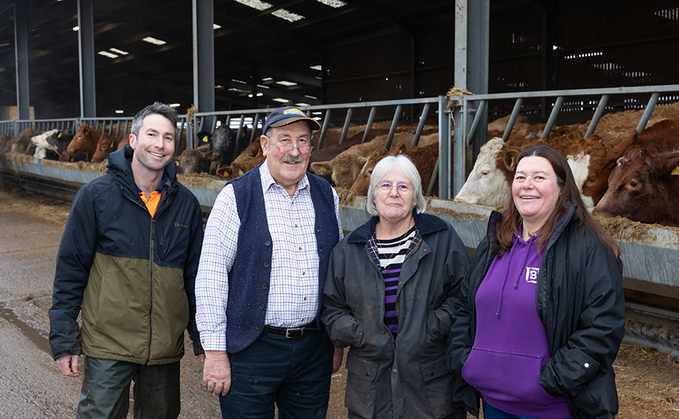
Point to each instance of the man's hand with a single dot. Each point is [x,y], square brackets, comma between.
[337,357]
[68,364]
[217,373]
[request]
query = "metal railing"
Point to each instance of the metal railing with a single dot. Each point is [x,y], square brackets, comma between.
[208,121]
[476,105]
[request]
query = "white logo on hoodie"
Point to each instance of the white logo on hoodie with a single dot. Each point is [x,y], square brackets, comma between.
[532,274]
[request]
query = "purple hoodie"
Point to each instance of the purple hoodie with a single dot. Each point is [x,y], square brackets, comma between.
[511,346]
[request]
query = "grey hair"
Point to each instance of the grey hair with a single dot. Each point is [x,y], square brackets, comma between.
[407,168]
[157,108]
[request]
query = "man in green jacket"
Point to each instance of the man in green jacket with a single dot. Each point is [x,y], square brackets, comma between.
[128,258]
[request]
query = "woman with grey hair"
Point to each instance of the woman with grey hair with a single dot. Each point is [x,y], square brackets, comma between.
[389,297]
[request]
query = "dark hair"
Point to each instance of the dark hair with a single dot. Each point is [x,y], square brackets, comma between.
[569,195]
[156,108]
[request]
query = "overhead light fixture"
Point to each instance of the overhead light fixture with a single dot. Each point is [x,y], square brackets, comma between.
[260,94]
[286,83]
[119,51]
[267,79]
[262,86]
[119,111]
[333,3]
[310,97]
[173,105]
[671,14]
[216,26]
[280,99]
[107,54]
[219,87]
[154,41]
[238,81]
[280,13]
[76,28]
[316,67]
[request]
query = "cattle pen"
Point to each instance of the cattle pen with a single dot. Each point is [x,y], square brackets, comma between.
[651,275]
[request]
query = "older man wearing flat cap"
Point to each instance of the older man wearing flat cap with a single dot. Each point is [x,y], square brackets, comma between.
[260,280]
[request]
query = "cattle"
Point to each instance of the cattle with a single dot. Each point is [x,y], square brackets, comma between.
[194,160]
[21,143]
[346,166]
[69,156]
[600,159]
[223,146]
[42,145]
[85,140]
[486,184]
[106,145]
[423,157]
[643,187]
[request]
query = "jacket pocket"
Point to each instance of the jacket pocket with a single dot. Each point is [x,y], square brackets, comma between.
[506,376]
[361,389]
[598,396]
[438,382]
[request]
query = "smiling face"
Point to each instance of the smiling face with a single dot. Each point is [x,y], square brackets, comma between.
[394,204]
[289,168]
[154,145]
[535,191]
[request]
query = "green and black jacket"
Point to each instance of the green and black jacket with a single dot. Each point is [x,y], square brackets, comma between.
[131,274]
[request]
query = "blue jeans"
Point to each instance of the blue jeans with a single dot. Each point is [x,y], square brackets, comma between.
[106,390]
[293,374]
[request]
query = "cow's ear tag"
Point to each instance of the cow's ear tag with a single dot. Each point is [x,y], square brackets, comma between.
[59,136]
[205,139]
[675,172]
[511,162]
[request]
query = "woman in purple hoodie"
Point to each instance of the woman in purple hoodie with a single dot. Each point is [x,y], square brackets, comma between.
[541,312]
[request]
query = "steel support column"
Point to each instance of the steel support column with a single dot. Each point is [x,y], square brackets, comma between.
[21,54]
[471,73]
[88,90]
[203,58]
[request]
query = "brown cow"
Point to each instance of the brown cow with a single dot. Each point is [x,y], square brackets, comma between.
[194,160]
[85,140]
[643,187]
[423,157]
[346,166]
[659,137]
[106,145]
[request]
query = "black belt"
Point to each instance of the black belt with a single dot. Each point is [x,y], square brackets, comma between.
[292,332]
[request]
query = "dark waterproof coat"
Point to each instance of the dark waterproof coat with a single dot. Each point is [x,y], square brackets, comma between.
[132,274]
[413,365]
[579,298]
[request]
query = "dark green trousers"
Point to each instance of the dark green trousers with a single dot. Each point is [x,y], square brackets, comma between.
[106,390]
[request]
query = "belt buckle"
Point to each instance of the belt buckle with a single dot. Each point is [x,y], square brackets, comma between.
[296,329]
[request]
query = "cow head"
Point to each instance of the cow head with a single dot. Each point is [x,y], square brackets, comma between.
[105,146]
[642,188]
[362,182]
[85,140]
[486,184]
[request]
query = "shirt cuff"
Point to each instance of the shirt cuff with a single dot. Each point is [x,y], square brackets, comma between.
[213,341]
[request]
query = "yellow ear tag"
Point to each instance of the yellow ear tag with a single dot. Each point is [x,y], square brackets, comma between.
[59,136]
[240,172]
[400,152]
[205,139]
[511,162]
[675,172]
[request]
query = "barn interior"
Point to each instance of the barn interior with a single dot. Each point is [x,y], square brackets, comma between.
[312,52]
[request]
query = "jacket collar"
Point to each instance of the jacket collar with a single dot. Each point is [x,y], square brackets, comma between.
[425,224]
[560,226]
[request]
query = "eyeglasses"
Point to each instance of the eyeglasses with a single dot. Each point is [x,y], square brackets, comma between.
[386,187]
[303,149]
